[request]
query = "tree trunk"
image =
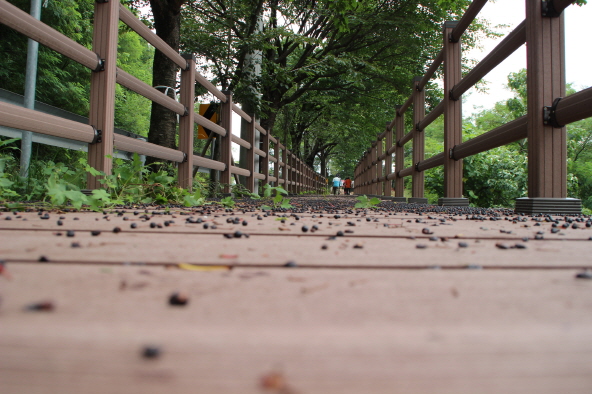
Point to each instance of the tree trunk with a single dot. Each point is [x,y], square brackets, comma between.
[167,22]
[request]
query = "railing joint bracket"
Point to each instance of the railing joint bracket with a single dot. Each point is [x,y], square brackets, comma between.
[100,64]
[549,114]
[451,95]
[98,136]
[548,9]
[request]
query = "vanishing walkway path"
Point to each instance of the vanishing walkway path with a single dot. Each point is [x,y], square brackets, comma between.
[410,299]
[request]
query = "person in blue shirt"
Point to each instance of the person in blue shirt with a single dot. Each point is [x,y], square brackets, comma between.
[336,184]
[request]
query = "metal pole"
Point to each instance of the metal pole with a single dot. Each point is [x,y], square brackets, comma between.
[30,84]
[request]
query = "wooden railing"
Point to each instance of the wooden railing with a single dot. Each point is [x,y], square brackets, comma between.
[287,169]
[544,126]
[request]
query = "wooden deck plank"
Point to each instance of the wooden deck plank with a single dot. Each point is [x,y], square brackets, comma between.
[361,252]
[397,225]
[325,331]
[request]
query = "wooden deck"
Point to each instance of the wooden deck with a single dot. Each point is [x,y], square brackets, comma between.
[406,301]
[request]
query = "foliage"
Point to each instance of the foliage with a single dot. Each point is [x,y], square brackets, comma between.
[278,201]
[6,191]
[366,203]
[240,191]
[228,202]
[132,111]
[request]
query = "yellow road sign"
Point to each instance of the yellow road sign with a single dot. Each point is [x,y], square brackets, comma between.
[210,112]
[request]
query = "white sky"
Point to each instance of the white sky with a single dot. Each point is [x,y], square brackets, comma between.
[578,31]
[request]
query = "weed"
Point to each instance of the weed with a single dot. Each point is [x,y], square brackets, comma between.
[279,201]
[365,202]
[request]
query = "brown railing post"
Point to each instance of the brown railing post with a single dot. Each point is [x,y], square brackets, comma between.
[226,142]
[368,172]
[300,176]
[388,162]
[366,169]
[102,88]
[399,153]
[547,146]
[379,169]
[278,164]
[250,164]
[290,173]
[418,143]
[186,123]
[285,170]
[356,173]
[453,169]
[264,163]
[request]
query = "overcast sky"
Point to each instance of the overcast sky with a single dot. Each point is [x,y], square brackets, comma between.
[578,32]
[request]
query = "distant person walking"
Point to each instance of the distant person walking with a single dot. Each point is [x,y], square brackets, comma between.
[347,184]
[336,184]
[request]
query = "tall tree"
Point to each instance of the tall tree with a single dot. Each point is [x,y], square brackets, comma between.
[167,24]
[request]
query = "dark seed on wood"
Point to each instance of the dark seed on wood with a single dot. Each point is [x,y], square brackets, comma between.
[43,306]
[340,234]
[427,231]
[520,246]
[43,259]
[421,246]
[94,233]
[584,274]
[178,299]
[291,264]
[117,230]
[70,233]
[75,244]
[463,245]
[133,225]
[151,352]
[304,229]
[59,222]
[502,245]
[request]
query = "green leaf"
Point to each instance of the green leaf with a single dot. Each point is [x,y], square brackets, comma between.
[278,199]
[228,202]
[281,190]
[286,203]
[266,190]
[375,201]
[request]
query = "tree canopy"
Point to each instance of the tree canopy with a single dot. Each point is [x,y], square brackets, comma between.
[320,61]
